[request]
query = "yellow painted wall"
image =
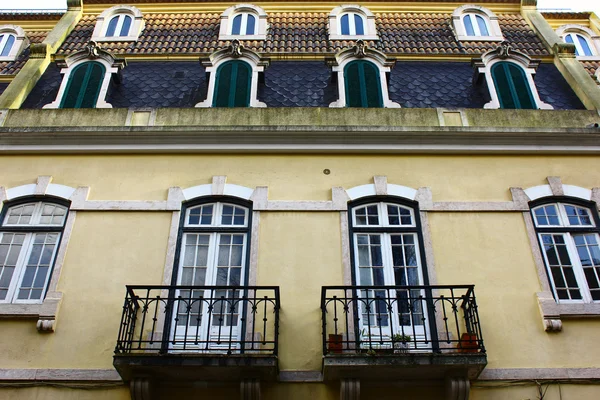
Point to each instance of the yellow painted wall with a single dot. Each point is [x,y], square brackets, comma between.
[54,393]
[530,391]
[300,177]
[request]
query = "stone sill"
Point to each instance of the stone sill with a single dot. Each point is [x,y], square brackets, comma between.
[45,312]
[553,313]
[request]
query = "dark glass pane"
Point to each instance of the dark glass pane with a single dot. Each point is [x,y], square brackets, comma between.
[563,254]
[584,45]
[596,295]
[378,277]
[242,85]
[521,87]
[400,276]
[358,25]
[468,25]
[591,279]
[575,295]
[398,256]
[8,46]
[569,39]
[559,282]
[237,24]
[126,26]
[570,277]
[562,294]
[345,25]
[500,77]
[353,89]
[250,25]
[221,97]
[376,259]
[112,26]
[372,85]
[92,89]
[483,30]
[74,86]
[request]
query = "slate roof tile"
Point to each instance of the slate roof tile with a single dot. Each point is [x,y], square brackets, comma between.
[401,33]
[13,67]
[554,89]
[3,86]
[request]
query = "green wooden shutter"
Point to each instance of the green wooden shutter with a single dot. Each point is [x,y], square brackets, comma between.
[84,86]
[363,85]
[232,85]
[512,87]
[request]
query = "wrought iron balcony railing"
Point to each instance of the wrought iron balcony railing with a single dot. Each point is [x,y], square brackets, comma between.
[400,320]
[199,320]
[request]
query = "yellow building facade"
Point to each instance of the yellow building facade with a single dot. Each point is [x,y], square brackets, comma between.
[288,250]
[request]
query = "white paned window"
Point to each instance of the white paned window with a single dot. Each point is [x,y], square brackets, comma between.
[570,245]
[29,237]
[387,253]
[476,25]
[7,41]
[119,26]
[213,252]
[582,45]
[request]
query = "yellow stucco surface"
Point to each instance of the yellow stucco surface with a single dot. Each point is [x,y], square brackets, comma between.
[300,253]
[300,177]
[530,391]
[50,393]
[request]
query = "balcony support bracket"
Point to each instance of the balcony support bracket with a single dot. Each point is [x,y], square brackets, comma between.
[350,389]
[141,389]
[457,388]
[250,389]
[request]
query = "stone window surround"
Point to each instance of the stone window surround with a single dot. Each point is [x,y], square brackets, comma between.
[592,37]
[102,21]
[495,33]
[234,52]
[504,53]
[361,52]
[21,41]
[46,311]
[334,27]
[91,53]
[227,22]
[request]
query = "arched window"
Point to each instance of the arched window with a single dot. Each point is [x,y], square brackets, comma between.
[84,86]
[475,25]
[213,251]
[7,41]
[119,25]
[582,46]
[232,86]
[352,24]
[243,24]
[512,86]
[29,236]
[387,250]
[363,84]
[569,238]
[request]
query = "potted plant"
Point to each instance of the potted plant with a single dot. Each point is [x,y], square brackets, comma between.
[400,343]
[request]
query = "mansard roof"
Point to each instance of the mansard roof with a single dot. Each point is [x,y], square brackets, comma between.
[399,33]
[13,67]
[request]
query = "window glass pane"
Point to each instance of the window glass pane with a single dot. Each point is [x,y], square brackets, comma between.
[521,87]
[468,25]
[201,215]
[358,25]
[38,266]
[237,25]
[112,26]
[20,215]
[584,45]
[577,215]
[398,215]
[250,25]
[8,46]
[126,26]
[345,25]
[483,30]
[367,215]
[52,214]
[561,268]
[11,245]
[546,215]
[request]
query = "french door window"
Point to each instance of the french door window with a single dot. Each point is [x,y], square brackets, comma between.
[29,238]
[568,237]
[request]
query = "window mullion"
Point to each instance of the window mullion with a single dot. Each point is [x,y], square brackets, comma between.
[475,24]
[388,262]
[243,24]
[119,25]
[578,269]
[351,24]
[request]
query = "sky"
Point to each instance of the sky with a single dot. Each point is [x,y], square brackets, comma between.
[575,5]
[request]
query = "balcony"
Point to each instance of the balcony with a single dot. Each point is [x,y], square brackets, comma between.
[401,332]
[191,333]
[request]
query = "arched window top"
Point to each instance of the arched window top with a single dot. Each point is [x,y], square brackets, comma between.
[41,213]
[12,42]
[244,22]
[119,23]
[383,214]
[585,40]
[472,22]
[509,78]
[352,22]
[217,214]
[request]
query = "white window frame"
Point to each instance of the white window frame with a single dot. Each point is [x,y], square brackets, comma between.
[578,269]
[335,26]
[27,247]
[103,20]
[377,58]
[507,54]
[491,20]
[20,43]
[592,38]
[260,27]
[234,52]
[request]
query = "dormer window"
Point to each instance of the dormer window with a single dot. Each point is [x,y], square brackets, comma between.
[471,22]
[119,23]
[243,22]
[12,42]
[352,22]
[586,41]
